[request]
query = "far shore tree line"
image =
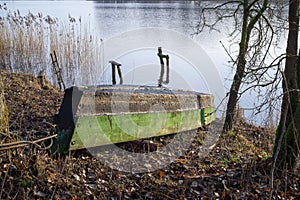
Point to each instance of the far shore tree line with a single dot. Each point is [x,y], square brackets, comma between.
[256,26]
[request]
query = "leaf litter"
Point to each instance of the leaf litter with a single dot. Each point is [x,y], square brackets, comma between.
[237,167]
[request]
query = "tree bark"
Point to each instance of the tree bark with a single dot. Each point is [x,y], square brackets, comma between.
[247,27]
[286,147]
[237,80]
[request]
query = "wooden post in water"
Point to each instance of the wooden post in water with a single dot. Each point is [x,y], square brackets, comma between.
[162,67]
[57,71]
[113,66]
[113,78]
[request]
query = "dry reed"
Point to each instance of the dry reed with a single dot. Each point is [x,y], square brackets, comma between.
[27,41]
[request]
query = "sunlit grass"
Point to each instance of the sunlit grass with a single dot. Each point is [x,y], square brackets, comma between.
[27,41]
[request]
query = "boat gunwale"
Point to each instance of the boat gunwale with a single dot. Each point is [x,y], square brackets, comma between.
[135,88]
[144,112]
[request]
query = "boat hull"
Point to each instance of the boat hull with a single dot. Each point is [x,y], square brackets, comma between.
[102,115]
[103,130]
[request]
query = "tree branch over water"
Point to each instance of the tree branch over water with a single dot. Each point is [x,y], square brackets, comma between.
[253,32]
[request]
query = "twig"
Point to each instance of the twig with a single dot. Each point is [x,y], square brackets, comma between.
[228,53]
[4,134]
[19,144]
[52,196]
[283,130]
[3,182]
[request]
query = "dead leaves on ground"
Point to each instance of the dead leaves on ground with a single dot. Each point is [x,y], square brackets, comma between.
[236,168]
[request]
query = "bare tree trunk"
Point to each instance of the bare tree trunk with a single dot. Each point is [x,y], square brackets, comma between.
[286,147]
[248,24]
[237,80]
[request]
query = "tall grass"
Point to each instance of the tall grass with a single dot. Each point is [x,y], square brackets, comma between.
[27,41]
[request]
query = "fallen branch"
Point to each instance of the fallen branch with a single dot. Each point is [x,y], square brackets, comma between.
[18,144]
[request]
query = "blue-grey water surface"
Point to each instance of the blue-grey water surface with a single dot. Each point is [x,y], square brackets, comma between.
[109,20]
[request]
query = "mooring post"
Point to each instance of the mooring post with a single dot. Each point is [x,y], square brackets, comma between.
[113,74]
[113,66]
[120,74]
[162,67]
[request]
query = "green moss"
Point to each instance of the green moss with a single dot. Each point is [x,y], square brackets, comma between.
[288,149]
[102,130]
[231,133]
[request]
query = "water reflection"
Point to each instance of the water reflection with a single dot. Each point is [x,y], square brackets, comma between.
[163,66]
[126,16]
[110,18]
[140,66]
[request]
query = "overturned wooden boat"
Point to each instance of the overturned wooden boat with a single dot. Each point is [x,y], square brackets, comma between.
[108,114]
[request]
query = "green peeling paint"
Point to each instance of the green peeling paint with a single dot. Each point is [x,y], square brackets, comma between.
[102,130]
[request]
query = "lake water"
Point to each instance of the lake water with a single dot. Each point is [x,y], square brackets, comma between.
[132,32]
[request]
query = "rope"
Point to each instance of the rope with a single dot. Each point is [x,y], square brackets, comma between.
[19,144]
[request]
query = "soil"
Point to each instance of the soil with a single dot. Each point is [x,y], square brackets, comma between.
[236,167]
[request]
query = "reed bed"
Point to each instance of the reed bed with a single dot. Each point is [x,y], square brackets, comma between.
[27,41]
